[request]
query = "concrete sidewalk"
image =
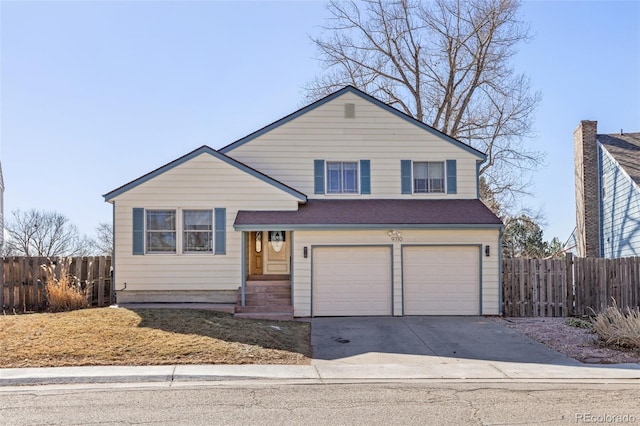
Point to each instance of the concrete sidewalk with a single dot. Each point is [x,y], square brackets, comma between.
[433,368]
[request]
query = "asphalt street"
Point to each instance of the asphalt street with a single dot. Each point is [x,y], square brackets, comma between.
[263,403]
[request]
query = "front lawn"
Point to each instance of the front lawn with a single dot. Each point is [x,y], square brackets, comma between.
[116,336]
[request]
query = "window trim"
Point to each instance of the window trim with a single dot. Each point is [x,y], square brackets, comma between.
[179,232]
[444,178]
[210,231]
[147,231]
[342,162]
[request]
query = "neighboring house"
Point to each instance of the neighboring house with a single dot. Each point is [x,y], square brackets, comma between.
[607,192]
[359,208]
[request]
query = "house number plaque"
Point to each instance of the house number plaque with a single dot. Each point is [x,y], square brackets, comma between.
[396,236]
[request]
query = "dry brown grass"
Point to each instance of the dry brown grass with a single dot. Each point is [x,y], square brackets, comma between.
[615,327]
[110,336]
[63,291]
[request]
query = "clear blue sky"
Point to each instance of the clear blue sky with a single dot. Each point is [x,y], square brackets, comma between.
[96,93]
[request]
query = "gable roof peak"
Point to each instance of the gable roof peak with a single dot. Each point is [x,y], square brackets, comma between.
[351,89]
[205,149]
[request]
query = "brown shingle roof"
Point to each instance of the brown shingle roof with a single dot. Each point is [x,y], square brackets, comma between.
[345,213]
[625,149]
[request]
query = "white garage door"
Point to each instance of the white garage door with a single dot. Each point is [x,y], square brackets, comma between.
[351,281]
[441,280]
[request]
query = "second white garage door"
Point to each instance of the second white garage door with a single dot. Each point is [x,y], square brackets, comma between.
[441,280]
[351,281]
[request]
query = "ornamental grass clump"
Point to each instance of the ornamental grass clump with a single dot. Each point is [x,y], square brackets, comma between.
[64,291]
[618,328]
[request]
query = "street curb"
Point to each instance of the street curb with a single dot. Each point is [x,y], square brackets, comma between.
[455,370]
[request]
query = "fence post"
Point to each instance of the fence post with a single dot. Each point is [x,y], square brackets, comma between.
[568,285]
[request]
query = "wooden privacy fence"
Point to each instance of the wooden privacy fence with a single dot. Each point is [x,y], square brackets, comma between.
[568,287]
[600,281]
[22,281]
[537,287]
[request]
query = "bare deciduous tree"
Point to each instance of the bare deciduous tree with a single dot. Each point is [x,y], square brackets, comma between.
[445,63]
[103,243]
[44,233]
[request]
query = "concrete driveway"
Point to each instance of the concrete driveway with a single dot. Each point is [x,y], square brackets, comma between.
[382,340]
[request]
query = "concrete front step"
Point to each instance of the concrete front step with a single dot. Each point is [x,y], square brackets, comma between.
[280,283]
[274,316]
[279,277]
[267,296]
[266,299]
[267,290]
[267,286]
[261,302]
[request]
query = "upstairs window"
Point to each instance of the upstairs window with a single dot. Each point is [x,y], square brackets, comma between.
[428,177]
[342,177]
[197,234]
[161,231]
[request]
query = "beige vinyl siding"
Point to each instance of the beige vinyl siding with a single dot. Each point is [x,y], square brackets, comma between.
[286,153]
[489,265]
[203,182]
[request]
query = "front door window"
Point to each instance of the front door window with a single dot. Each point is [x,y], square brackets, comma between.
[276,238]
[259,242]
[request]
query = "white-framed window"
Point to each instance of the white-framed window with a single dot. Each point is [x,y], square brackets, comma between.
[179,231]
[197,231]
[342,177]
[428,177]
[161,231]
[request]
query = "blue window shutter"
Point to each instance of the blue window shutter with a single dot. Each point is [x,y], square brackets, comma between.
[221,230]
[138,231]
[452,180]
[405,172]
[365,176]
[318,173]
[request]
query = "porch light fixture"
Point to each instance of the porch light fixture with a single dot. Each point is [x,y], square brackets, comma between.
[394,234]
[487,251]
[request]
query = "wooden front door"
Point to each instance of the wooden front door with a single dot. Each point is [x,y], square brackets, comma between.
[256,249]
[277,251]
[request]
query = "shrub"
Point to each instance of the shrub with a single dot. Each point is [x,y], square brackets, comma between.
[615,327]
[63,290]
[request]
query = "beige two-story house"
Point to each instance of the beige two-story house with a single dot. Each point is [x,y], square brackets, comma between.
[357,208]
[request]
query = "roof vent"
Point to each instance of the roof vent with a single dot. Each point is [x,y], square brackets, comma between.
[349,110]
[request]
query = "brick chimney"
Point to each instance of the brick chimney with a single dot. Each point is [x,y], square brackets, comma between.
[587,189]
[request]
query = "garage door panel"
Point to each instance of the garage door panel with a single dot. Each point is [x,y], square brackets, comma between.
[350,281]
[441,280]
